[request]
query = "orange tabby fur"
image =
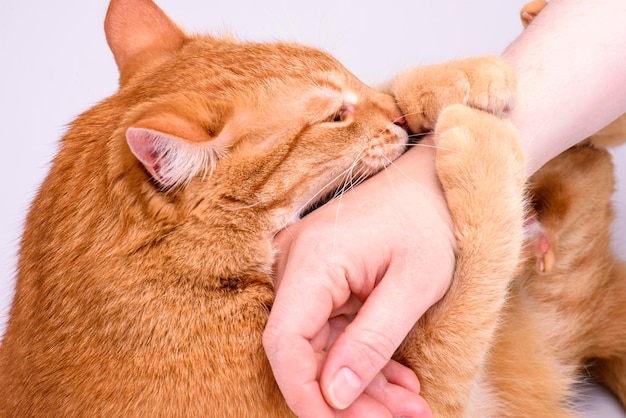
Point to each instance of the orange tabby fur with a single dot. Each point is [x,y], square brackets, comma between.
[569,313]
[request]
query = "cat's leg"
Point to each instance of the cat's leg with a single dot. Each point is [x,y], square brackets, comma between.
[525,373]
[482,171]
[529,371]
[609,366]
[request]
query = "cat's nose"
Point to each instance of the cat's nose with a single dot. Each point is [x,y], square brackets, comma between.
[396,116]
[401,122]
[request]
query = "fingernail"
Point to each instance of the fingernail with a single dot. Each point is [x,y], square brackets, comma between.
[344,388]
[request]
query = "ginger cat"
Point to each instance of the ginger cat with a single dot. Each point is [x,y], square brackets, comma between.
[144,277]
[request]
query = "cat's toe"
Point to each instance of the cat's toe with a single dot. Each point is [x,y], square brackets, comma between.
[492,85]
[486,83]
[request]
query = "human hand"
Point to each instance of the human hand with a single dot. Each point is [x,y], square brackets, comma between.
[352,278]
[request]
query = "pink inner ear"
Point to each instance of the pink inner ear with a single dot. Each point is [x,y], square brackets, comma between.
[144,144]
[174,149]
[171,160]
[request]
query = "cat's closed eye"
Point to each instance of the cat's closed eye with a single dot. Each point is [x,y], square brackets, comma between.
[342,115]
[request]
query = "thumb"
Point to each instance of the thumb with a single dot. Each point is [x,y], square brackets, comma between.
[367,344]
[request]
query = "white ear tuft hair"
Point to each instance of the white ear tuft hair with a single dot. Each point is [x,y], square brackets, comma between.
[172,161]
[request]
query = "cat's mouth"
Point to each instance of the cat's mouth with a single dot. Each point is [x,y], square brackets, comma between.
[392,145]
[325,198]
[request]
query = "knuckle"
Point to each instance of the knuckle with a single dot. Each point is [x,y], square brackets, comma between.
[373,349]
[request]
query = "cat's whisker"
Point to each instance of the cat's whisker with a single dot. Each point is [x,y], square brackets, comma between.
[408,177]
[339,200]
[316,196]
[348,184]
[241,207]
[362,176]
[393,186]
[286,229]
[419,134]
[422,145]
[434,146]
[421,112]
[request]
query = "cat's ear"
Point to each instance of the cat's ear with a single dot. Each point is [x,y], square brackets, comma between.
[174,150]
[137,32]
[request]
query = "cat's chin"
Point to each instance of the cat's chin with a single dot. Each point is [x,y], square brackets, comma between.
[283,218]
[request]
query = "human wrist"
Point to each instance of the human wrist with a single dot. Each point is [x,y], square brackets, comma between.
[418,163]
[435,225]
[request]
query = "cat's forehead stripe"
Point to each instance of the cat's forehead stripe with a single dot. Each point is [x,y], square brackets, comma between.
[347,96]
[335,82]
[338,96]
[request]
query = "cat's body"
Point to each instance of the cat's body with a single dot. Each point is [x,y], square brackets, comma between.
[144,277]
[566,313]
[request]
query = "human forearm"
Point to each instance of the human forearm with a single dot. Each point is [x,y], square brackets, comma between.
[562,100]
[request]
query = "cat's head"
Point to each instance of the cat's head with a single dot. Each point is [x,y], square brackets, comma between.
[245,124]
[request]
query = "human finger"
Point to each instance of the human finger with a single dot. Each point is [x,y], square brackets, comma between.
[368,343]
[400,400]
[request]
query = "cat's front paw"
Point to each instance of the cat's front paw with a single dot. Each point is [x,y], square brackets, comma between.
[478,152]
[485,83]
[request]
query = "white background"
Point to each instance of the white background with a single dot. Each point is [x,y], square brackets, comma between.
[54,63]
